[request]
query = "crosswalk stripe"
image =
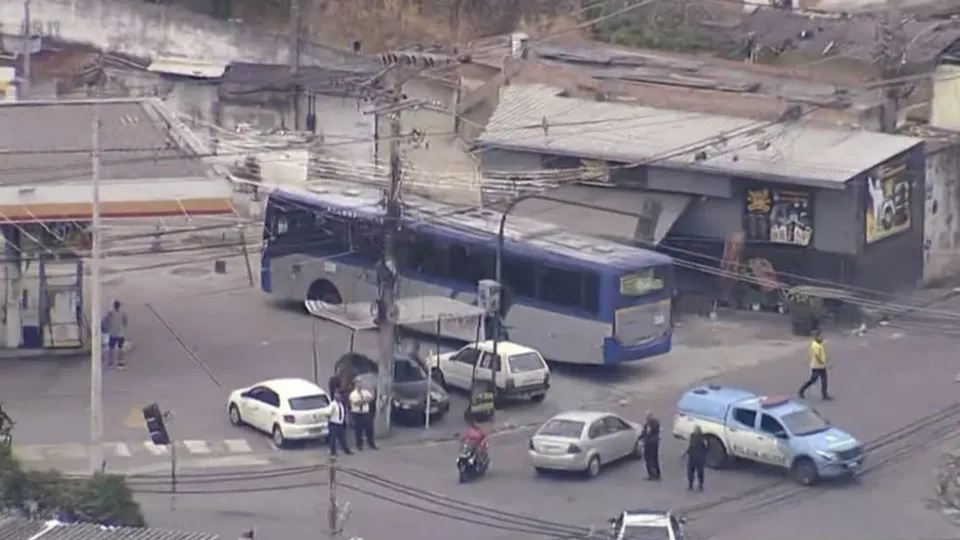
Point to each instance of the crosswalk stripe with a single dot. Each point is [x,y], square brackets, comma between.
[237,446]
[196,447]
[118,449]
[156,449]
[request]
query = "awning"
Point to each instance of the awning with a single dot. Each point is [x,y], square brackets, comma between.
[629,215]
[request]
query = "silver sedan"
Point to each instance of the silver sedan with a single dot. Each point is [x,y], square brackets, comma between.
[584,441]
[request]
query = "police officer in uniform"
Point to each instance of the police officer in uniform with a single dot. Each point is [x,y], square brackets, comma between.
[696,454]
[651,446]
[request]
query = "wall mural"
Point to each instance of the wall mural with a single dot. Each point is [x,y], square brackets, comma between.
[887,208]
[778,216]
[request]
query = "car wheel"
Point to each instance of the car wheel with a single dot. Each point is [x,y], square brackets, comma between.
[717,456]
[593,467]
[278,438]
[637,449]
[804,471]
[538,398]
[234,413]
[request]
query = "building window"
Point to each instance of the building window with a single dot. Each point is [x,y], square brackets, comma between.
[778,216]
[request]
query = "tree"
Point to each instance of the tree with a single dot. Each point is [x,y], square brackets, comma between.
[102,498]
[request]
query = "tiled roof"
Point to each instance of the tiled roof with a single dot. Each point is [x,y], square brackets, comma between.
[534,118]
[21,529]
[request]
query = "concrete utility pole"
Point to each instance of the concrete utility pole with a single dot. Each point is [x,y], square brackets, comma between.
[96,337]
[386,306]
[27,23]
[387,278]
[333,510]
[296,46]
[890,59]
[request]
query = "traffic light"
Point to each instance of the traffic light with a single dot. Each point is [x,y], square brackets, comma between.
[153,416]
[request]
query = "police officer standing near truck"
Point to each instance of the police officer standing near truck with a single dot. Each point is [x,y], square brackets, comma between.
[696,454]
[651,446]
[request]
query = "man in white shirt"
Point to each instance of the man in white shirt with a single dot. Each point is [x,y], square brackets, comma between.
[337,434]
[361,407]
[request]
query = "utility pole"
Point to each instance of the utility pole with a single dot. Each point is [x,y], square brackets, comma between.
[296,46]
[96,337]
[890,59]
[25,82]
[333,510]
[387,275]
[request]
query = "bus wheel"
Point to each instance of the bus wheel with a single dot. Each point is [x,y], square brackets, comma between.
[325,292]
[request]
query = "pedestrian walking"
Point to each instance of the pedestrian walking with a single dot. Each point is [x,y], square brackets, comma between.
[696,454]
[651,446]
[818,368]
[114,325]
[361,401]
[337,431]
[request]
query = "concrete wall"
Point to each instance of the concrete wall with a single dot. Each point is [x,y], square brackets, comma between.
[150,30]
[941,255]
[945,106]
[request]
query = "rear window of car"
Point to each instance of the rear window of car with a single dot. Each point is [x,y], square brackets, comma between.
[524,363]
[309,403]
[570,429]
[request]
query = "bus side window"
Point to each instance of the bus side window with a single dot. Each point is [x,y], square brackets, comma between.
[427,257]
[561,287]
[520,276]
[470,264]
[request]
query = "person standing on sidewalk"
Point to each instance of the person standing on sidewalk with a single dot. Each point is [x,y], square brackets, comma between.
[337,429]
[818,368]
[361,410]
[114,325]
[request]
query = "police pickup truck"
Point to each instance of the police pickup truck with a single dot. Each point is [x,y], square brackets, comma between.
[777,431]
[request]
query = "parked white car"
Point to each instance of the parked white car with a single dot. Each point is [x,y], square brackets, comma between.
[524,375]
[287,409]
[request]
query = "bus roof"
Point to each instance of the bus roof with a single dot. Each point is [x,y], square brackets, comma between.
[477,224]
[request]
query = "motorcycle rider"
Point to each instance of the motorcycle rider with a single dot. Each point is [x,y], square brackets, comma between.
[474,435]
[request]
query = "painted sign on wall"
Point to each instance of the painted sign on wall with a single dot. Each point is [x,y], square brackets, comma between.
[887,208]
[778,216]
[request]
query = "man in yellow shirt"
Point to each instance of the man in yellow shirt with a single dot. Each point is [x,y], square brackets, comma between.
[818,367]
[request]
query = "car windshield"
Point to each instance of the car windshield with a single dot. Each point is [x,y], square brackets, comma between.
[525,362]
[405,371]
[309,403]
[645,532]
[557,427]
[805,422]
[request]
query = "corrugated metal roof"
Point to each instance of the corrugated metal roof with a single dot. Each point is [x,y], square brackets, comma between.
[787,152]
[186,67]
[22,529]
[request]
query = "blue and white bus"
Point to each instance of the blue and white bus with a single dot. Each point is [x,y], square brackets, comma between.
[577,299]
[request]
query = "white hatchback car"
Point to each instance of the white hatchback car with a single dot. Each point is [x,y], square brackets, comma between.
[287,409]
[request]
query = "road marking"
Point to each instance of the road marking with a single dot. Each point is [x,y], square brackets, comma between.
[237,446]
[155,449]
[196,447]
[134,418]
[118,449]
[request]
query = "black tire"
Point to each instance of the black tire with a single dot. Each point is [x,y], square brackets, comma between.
[540,471]
[325,292]
[593,467]
[538,398]
[717,457]
[804,472]
[233,413]
[277,435]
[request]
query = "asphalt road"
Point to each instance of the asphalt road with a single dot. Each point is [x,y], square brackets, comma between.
[887,384]
[196,335]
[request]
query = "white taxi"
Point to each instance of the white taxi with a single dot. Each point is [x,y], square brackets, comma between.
[287,409]
[524,374]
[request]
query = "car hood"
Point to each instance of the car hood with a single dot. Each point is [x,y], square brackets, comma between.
[417,390]
[831,440]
